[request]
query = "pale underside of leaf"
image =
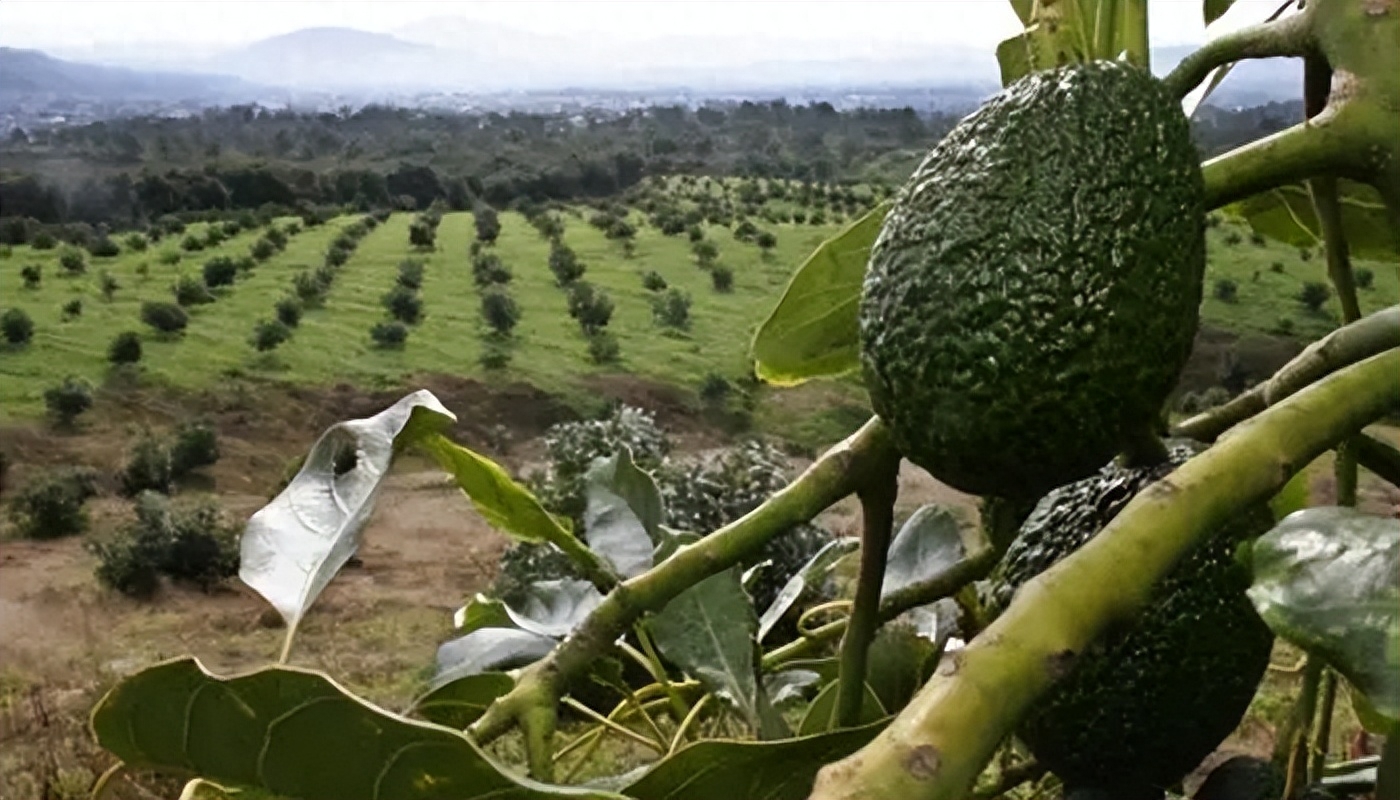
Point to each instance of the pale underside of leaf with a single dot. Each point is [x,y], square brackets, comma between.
[930,541]
[489,649]
[815,570]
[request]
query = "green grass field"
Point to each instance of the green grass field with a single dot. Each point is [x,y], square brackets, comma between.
[332,343]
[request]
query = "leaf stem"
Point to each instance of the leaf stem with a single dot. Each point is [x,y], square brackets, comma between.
[1378,457]
[877,509]
[1322,728]
[621,730]
[1292,748]
[1283,38]
[104,781]
[687,723]
[657,668]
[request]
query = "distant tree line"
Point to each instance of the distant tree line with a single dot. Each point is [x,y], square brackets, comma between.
[130,172]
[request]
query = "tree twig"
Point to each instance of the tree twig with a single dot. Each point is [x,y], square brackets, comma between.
[937,745]
[1292,155]
[1283,38]
[877,508]
[1012,777]
[1378,457]
[1322,728]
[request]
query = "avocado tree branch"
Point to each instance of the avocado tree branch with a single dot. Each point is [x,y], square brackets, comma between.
[1347,345]
[1378,457]
[840,471]
[877,508]
[1292,155]
[1283,38]
[937,746]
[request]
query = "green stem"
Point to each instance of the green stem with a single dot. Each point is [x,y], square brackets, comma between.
[877,507]
[939,743]
[1378,457]
[1289,156]
[838,473]
[657,667]
[1288,37]
[1133,24]
[539,722]
[1291,750]
[1347,345]
[1322,728]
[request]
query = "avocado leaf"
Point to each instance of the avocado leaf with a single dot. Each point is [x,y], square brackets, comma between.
[1213,10]
[506,505]
[814,331]
[1328,580]
[1286,214]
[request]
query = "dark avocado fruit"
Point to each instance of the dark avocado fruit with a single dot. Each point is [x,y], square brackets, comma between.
[1034,292]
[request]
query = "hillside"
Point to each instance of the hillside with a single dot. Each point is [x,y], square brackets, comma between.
[31,74]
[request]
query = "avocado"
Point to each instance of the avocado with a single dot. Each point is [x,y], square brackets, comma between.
[1243,778]
[1153,696]
[1034,291]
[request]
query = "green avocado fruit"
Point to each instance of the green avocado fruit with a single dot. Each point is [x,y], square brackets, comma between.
[1145,704]
[1034,292]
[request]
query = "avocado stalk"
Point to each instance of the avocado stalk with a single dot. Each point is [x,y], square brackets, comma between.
[877,509]
[839,472]
[937,746]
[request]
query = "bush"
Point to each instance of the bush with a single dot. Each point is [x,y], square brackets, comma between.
[190,290]
[499,310]
[421,235]
[137,243]
[1313,295]
[403,304]
[214,236]
[722,278]
[1284,326]
[191,243]
[169,258]
[51,505]
[245,264]
[71,309]
[268,334]
[107,284]
[289,311]
[196,445]
[389,334]
[68,399]
[603,348]
[1305,254]
[43,240]
[570,448]
[33,275]
[164,317]
[1226,290]
[1233,238]
[1276,268]
[653,281]
[488,224]
[337,256]
[715,389]
[187,542]
[104,247]
[489,270]
[311,287]
[705,252]
[1257,239]
[564,263]
[146,467]
[124,349]
[672,309]
[591,307]
[1365,278]
[72,262]
[411,274]
[16,326]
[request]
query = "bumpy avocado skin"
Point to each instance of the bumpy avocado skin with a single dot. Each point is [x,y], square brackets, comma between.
[1035,288]
[1151,699]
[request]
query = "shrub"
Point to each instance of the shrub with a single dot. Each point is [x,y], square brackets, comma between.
[104,247]
[1284,326]
[714,389]
[196,445]
[488,224]
[310,287]
[403,304]
[766,241]
[187,542]
[672,309]
[16,326]
[278,237]
[722,278]
[603,348]
[191,243]
[72,309]
[72,262]
[268,334]
[289,311]
[1226,290]
[1365,278]
[1233,238]
[164,317]
[146,467]
[1276,267]
[214,236]
[495,355]
[33,275]
[488,270]
[1257,239]
[570,447]
[410,274]
[169,258]
[421,235]
[705,252]
[43,240]
[245,264]
[1305,254]
[499,310]
[1313,295]
[68,399]
[389,334]
[124,349]
[190,290]
[653,281]
[337,256]
[591,307]
[107,284]
[51,505]
[564,263]
[137,243]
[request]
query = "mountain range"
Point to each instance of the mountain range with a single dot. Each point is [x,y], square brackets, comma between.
[450,54]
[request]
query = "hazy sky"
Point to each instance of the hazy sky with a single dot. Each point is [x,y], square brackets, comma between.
[48,23]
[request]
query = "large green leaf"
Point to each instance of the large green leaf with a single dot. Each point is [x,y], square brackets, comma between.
[899,662]
[811,574]
[814,330]
[1286,214]
[1072,31]
[1328,580]
[504,503]
[623,514]
[458,703]
[293,547]
[708,631]
[930,541]
[782,770]
[555,608]
[821,714]
[488,649]
[1215,9]
[298,734]
[481,612]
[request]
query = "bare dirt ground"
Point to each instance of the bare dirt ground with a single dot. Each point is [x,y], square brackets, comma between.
[64,640]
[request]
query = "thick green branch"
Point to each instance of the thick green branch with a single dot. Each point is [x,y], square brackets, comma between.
[877,508]
[1378,457]
[839,472]
[936,747]
[1347,345]
[1292,155]
[1287,37]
